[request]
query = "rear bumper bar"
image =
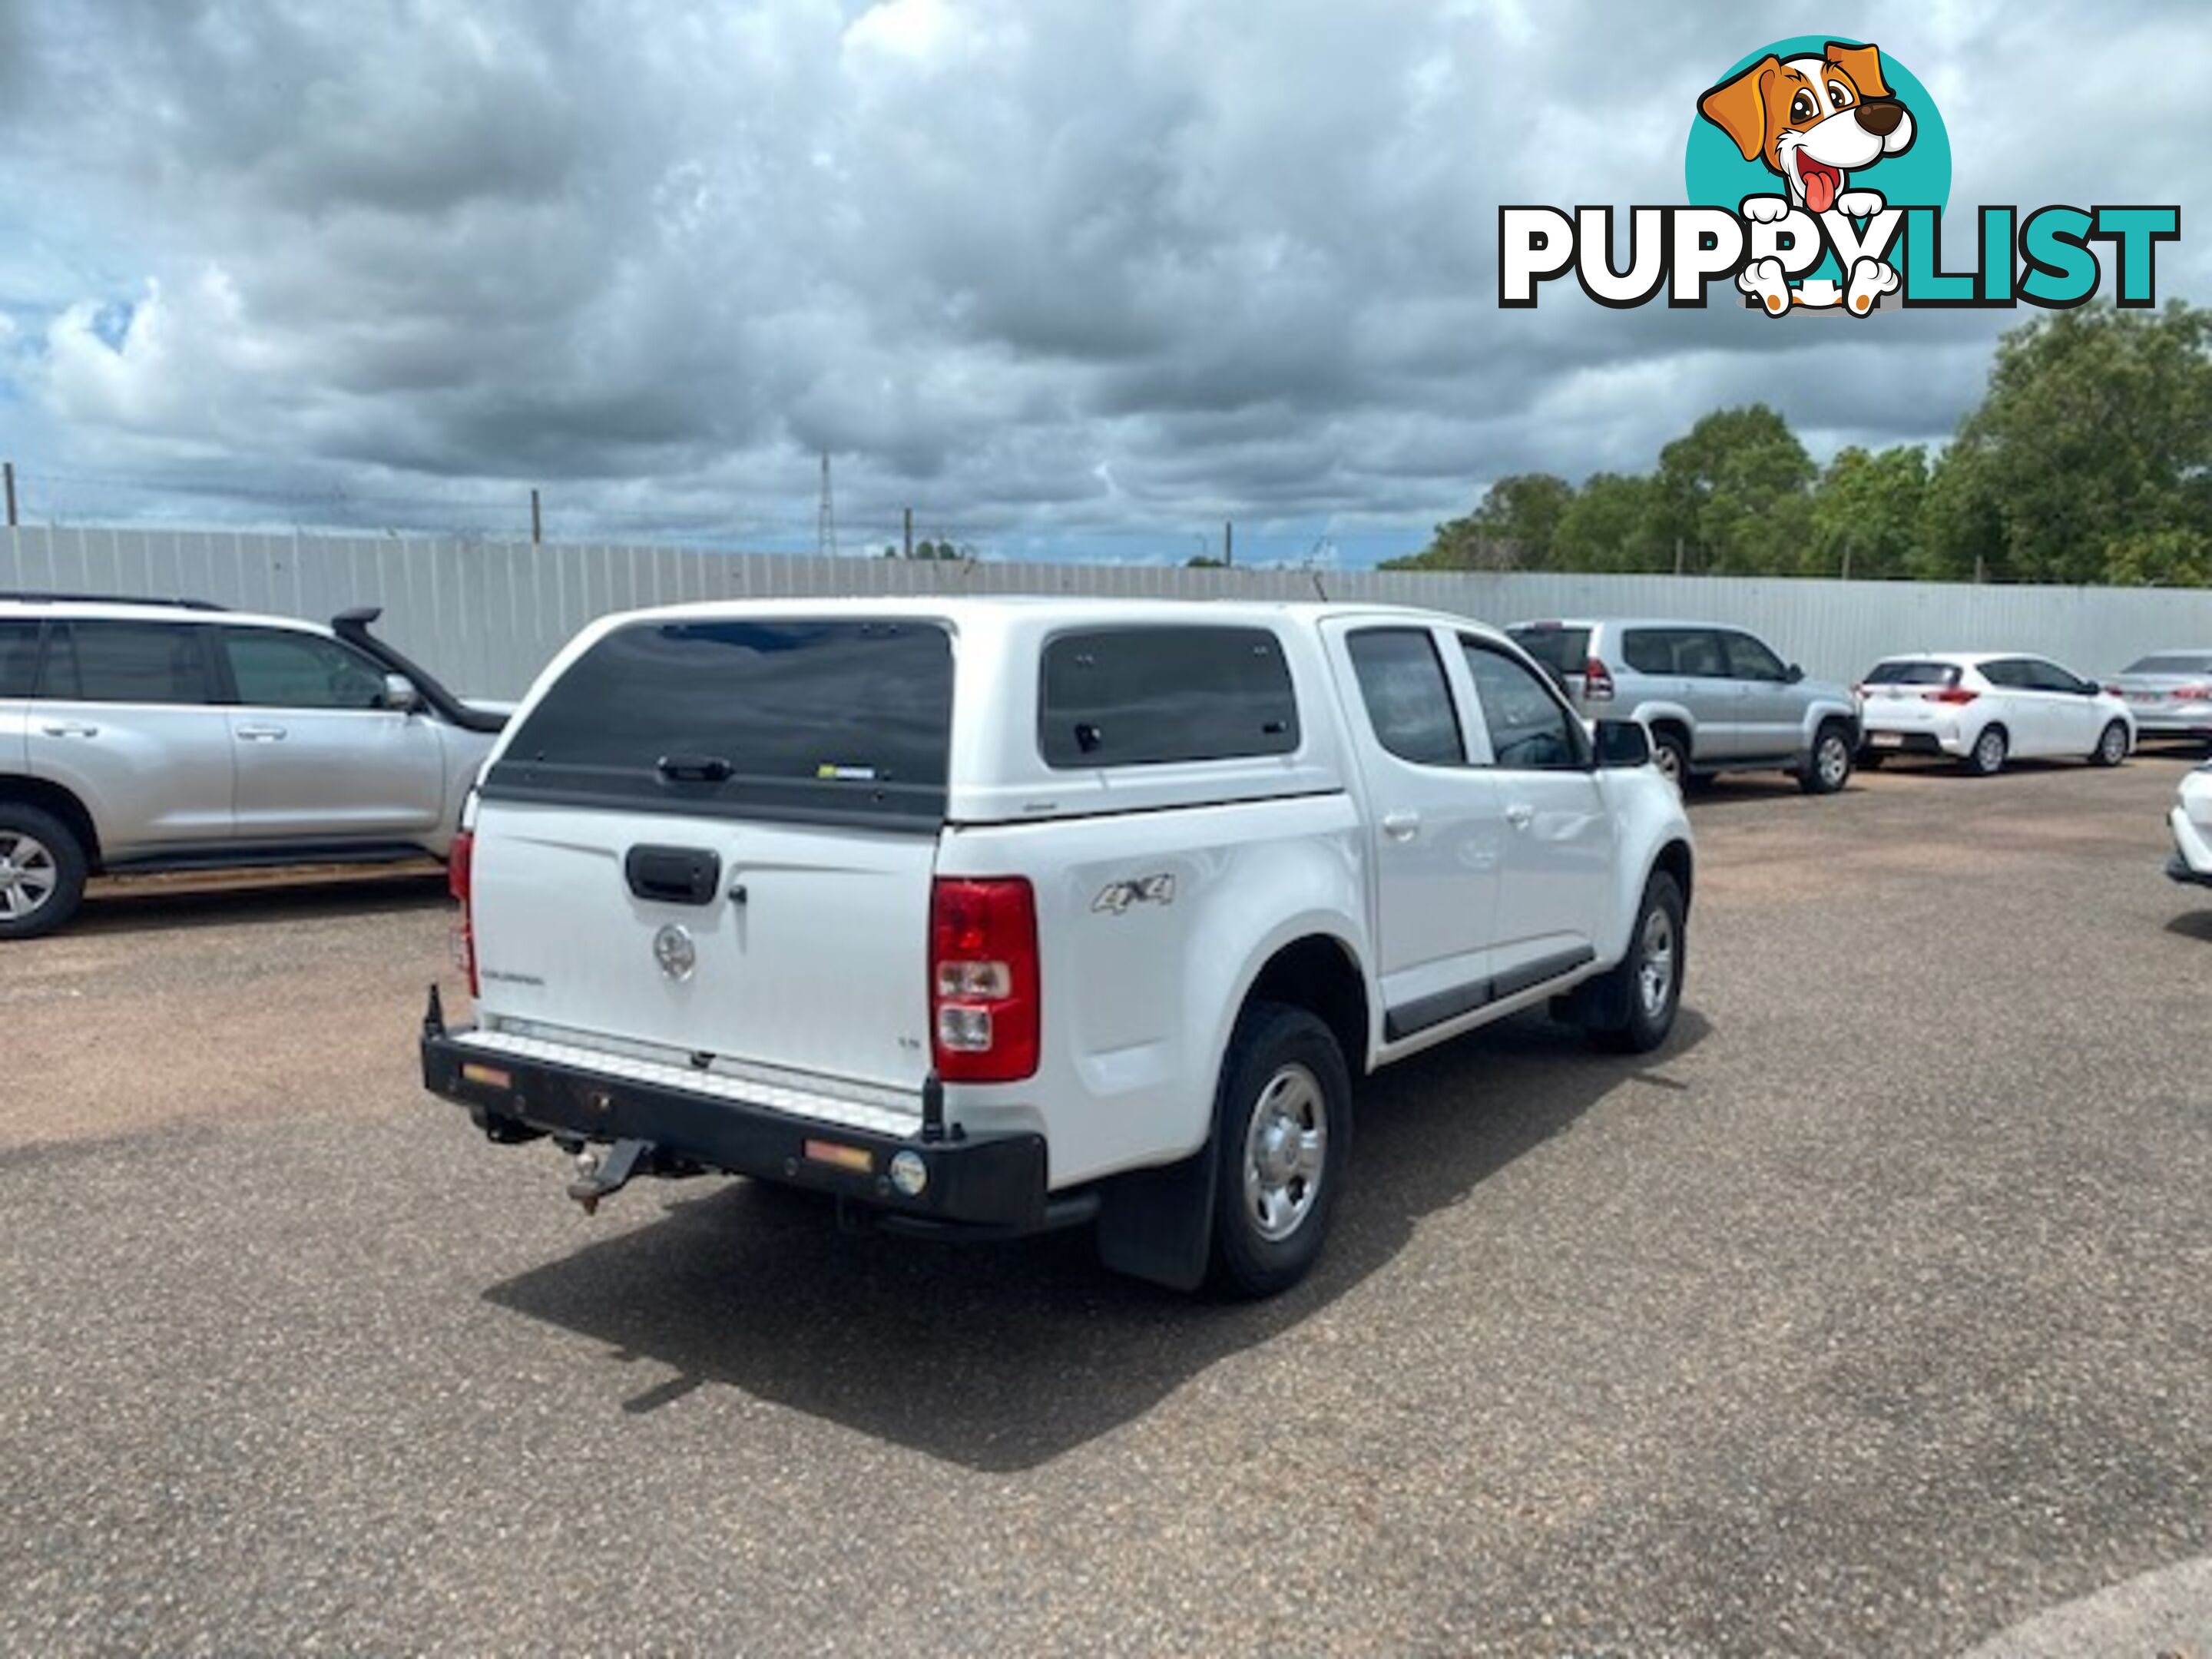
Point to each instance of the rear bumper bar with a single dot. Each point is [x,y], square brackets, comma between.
[995,1182]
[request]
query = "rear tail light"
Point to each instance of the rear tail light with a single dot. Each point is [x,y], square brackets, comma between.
[460,882]
[1597,681]
[1956,696]
[2114,691]
[2189,694]
[984,989]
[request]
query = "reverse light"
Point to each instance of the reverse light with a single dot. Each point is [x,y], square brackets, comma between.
[984,976]
[460,882]
[1597,681]
[909,1173]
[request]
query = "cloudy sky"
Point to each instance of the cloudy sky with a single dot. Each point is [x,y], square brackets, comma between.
[1070,277]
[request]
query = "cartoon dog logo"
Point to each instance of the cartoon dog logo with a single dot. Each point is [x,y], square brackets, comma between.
[1814,121]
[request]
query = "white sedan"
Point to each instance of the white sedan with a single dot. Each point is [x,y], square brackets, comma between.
[1984,708]
[2191,824]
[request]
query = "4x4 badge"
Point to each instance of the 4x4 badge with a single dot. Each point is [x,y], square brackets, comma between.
[672,948]
[1144,890]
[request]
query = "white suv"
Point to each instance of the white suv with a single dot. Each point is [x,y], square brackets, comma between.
[993,915]
[140,735]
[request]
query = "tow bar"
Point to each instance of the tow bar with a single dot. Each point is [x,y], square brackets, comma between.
[600,1174]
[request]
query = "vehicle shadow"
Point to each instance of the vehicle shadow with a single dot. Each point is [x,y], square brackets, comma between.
[141,904]
[1003,1356]
[2194,924]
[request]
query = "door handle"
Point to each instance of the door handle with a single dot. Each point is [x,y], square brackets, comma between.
[1401,825]
[1520,815]
[70,729]
[259,733]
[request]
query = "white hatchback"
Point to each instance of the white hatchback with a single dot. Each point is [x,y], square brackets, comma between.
[1984,708]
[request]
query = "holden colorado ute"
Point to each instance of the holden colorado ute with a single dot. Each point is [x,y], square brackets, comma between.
[990,915]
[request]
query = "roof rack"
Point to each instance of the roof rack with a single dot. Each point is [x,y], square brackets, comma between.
[27,597]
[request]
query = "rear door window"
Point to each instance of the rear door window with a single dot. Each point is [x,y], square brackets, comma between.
[19,658]
[844,721]
[2009,673]
[127,662]
[1409,701]
[1147,696]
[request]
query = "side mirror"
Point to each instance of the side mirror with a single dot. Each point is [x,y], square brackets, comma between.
[1792,674]
[400,695]
[1622,743]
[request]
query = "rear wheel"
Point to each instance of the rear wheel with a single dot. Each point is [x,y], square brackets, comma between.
[1671,755]
[1829,767]
[1987,758]
[1283,1126]
[42,872]
[2112,746]
[1637,1002]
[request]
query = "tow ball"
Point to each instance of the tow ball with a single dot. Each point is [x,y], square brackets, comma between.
[599,1173]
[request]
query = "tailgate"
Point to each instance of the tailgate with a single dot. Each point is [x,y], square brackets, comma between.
[803,948]
[715,834]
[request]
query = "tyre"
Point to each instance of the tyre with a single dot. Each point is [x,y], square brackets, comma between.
[42,872]
[2111,746]
[1636,1003]
[1282,1129]
[1829,767]
[1987,758]
[1671,755]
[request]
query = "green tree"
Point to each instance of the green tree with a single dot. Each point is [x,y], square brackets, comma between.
[1513,527]
[1867,513]
[1736,489]
[2088,457]
[1615,522]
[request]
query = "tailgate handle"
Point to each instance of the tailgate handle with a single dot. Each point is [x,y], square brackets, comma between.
[674,875]
[694,769]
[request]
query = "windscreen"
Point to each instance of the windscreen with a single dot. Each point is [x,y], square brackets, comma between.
[831,721]
[1912,673]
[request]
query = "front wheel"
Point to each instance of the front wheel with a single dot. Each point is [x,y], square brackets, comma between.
[1639,998]
[1283,1126]
[2111,747]
[1830,767]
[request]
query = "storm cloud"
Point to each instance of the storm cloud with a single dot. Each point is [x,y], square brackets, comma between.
[1053,271]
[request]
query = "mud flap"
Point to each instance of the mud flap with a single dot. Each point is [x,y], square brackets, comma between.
[1158,1224]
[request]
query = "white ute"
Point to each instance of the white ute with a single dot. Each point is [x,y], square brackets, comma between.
[995,915]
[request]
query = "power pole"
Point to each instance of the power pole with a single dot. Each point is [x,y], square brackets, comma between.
[908,533]
[1847,558]
[1677,556]
[8,469]
[825,518]
[1228,542]
[537,522]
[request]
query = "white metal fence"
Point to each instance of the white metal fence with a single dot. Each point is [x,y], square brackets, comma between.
[486,616]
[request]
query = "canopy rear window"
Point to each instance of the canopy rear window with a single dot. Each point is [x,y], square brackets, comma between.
[841,721]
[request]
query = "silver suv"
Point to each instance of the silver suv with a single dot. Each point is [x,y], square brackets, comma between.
[142,735]
[1716,698]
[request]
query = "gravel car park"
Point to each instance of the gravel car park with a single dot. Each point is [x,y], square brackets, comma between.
[1867,1319]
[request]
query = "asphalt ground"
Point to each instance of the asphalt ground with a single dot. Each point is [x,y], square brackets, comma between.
[1872,1317]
